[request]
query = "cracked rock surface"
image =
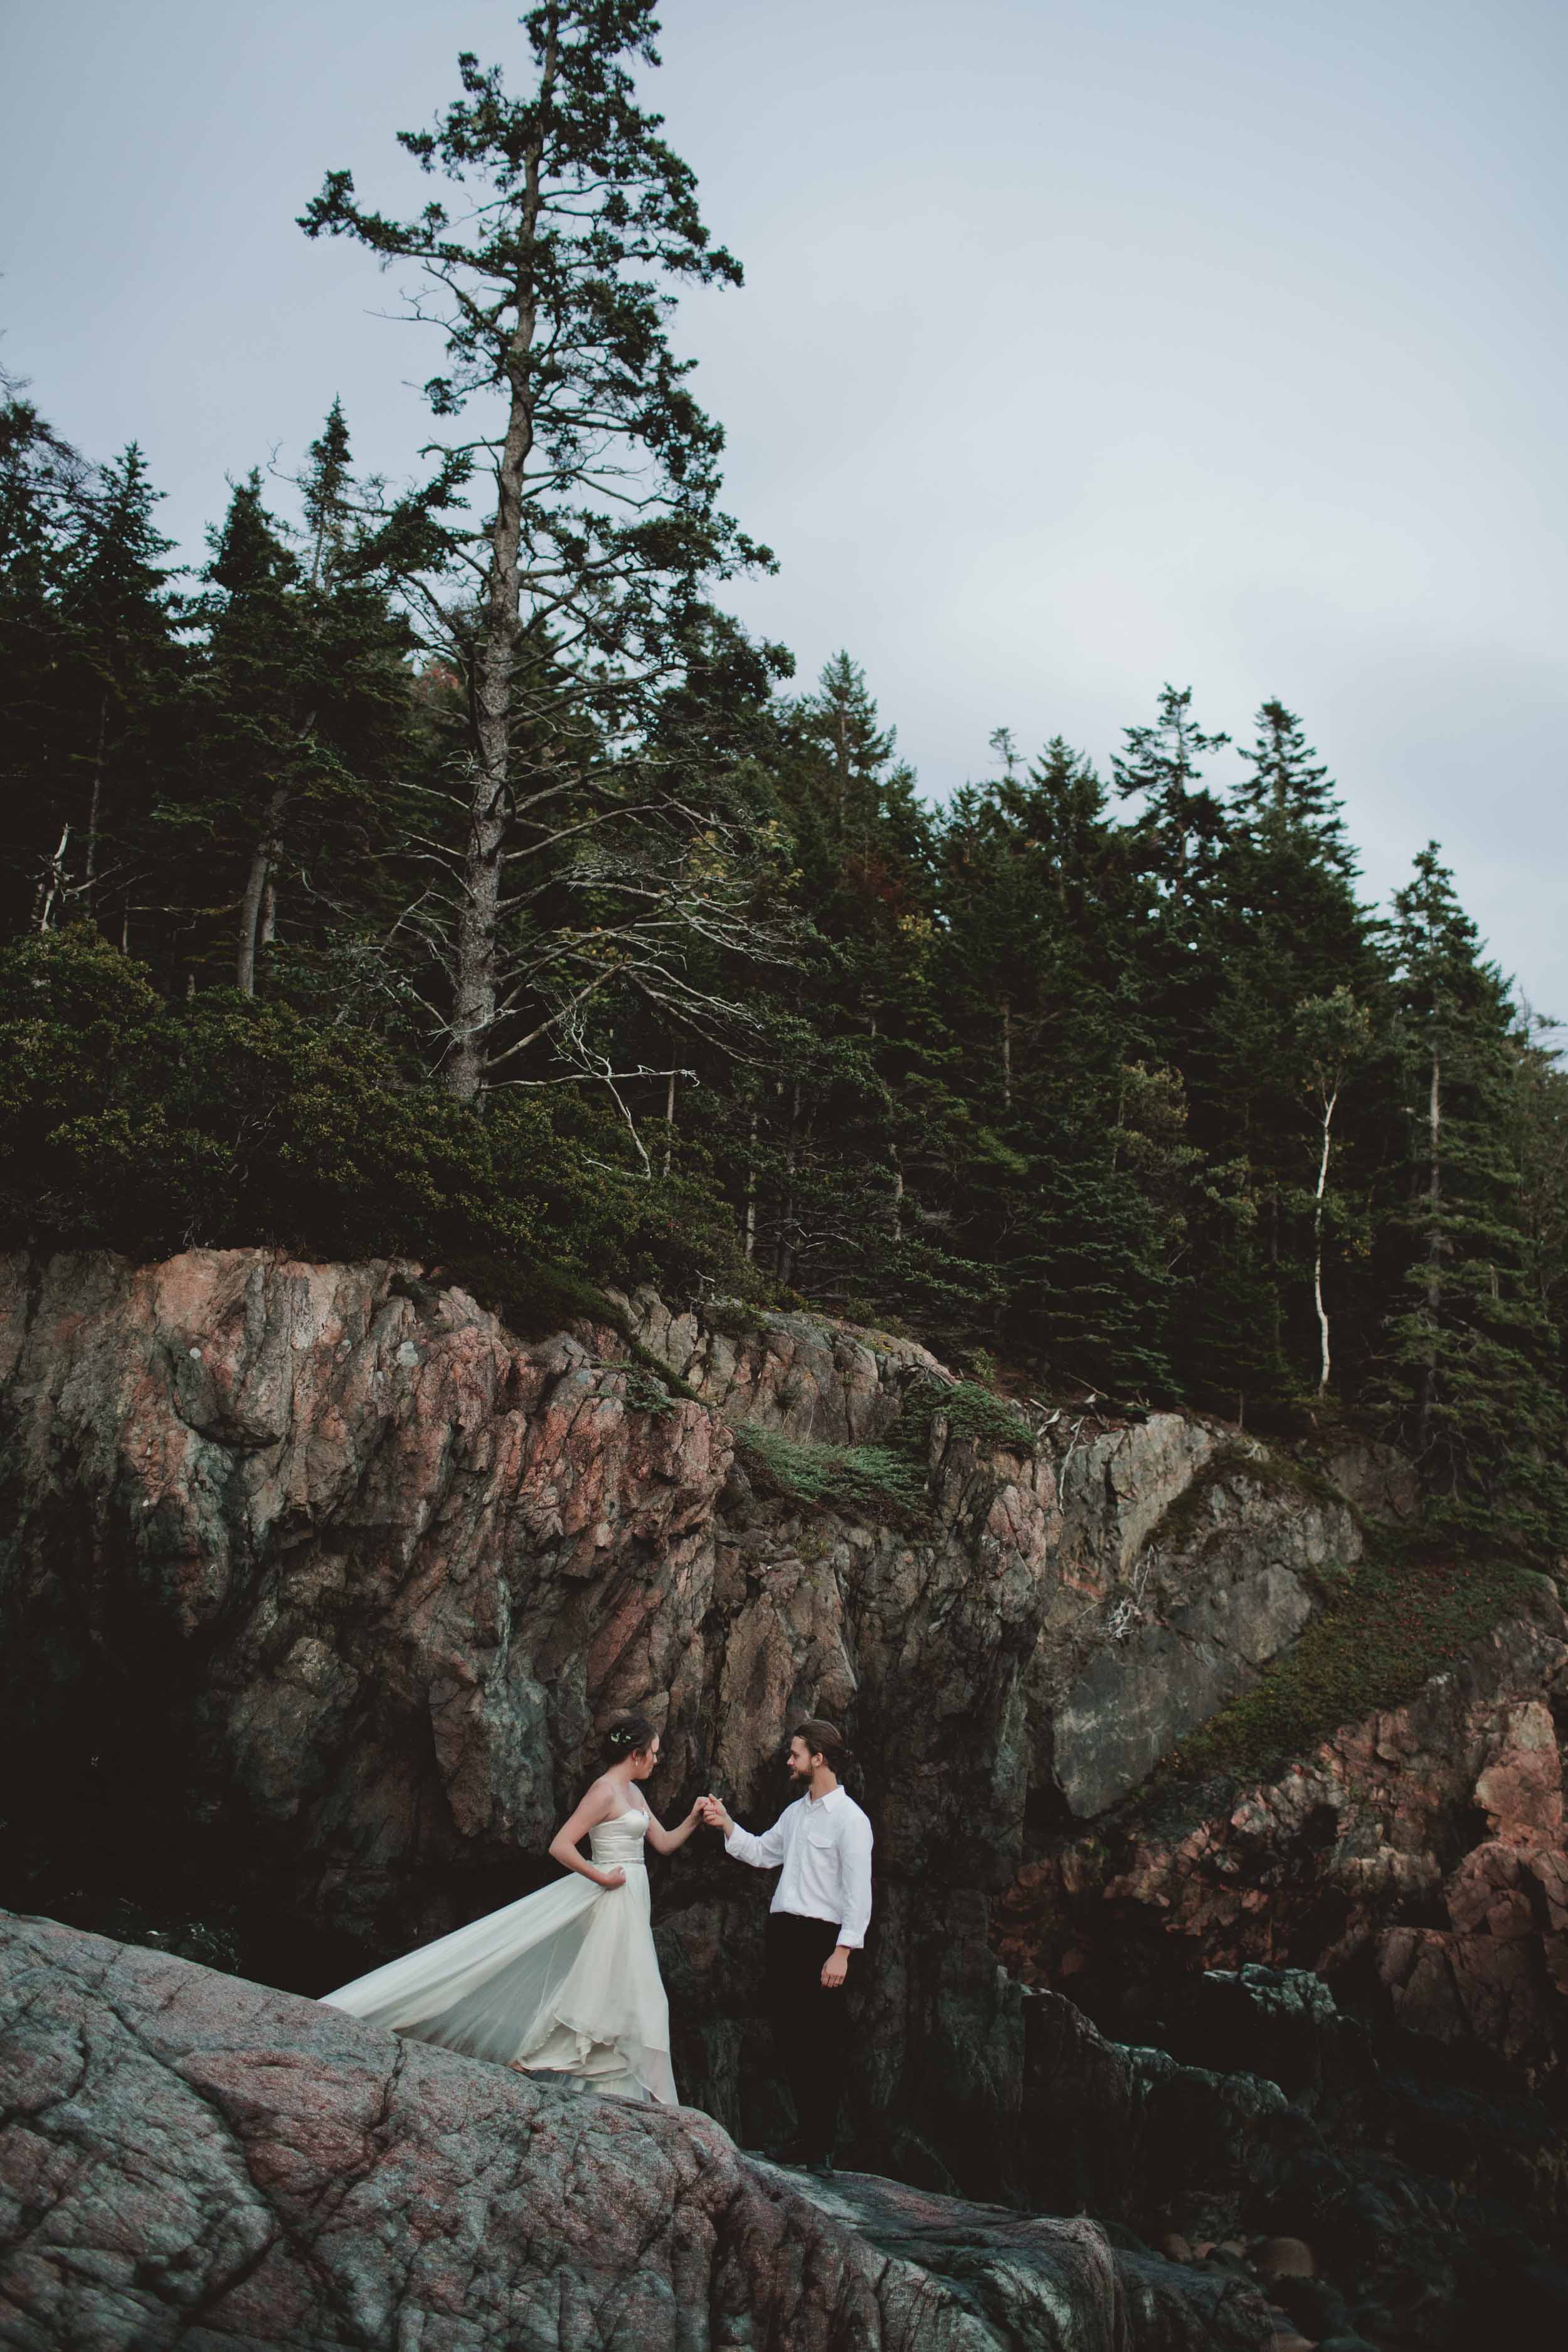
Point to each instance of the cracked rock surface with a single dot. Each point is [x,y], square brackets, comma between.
[319,1579]
[186,2160]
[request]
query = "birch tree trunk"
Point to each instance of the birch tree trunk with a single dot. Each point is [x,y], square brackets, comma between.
[1328,1102]
[1433,1247]
[751,1192]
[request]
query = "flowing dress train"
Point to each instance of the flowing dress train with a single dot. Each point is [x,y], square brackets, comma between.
[565,1980]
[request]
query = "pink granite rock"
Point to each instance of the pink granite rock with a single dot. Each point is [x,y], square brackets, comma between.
[188,2160]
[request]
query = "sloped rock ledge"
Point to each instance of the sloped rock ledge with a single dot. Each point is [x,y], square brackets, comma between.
[1416,1858]
[188,2160]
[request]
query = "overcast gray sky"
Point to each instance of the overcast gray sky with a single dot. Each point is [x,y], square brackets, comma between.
[1084,344]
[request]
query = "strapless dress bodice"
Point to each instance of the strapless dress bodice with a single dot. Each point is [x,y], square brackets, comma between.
[619,1845]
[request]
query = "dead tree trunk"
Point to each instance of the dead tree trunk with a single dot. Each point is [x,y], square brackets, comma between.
[263,857]
[477,943]
[52,882]
[751,1192]
[1328,1102]
[95,805]
[783,1260]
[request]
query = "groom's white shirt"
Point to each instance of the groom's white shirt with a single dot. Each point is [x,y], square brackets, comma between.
[823,1845]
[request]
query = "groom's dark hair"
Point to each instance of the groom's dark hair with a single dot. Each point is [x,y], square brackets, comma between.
[823,1740]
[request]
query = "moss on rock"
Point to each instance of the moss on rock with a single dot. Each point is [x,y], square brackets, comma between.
[1187,1518]
[1388,1626]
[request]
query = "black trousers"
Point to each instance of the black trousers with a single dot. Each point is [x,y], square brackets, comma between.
[809,2023]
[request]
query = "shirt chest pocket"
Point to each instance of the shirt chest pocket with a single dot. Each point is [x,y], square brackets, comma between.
[822,1847]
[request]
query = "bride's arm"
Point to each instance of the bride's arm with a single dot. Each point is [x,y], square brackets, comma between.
[594,1807]
[665,1841]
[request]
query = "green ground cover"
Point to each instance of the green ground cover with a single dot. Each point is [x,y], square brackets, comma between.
[1397,1618]
[869,1479]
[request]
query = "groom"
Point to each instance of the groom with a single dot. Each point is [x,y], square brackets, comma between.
[821,1848]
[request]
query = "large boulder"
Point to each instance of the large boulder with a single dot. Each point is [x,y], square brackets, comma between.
[1207,1554]
[186,2160]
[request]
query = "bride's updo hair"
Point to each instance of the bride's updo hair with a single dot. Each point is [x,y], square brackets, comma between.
[624,1736]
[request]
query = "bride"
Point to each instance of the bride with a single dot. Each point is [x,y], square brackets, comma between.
[567,1980]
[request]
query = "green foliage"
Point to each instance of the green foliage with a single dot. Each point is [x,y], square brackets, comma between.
[969,1411]
[1471,1367]
[561,562]
[91,670]
[1394,1622]
[150,1128]
[645,1392]
[863,1481]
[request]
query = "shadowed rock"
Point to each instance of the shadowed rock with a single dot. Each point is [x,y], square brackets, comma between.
[1419,1852]
[189,2160]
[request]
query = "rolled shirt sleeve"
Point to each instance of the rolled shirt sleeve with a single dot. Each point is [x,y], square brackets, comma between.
[855,1875]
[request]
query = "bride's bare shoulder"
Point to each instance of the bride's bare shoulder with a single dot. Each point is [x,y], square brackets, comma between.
[599,1796]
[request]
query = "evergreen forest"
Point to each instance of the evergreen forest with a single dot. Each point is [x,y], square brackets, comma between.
[438,869]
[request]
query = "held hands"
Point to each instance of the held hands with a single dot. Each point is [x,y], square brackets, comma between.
[712,1812]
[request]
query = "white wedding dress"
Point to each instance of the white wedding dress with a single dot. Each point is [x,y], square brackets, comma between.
[565,1980]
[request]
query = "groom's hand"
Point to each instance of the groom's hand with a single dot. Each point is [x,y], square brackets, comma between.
[714,1814]
[834,1968]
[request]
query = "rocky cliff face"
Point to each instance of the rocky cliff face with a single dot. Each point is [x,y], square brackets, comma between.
[315,1581]
[1158,1563]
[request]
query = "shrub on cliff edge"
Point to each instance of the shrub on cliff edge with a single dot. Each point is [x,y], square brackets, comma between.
[129,1123]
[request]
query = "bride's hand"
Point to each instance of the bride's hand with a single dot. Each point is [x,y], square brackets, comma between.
[613,1878]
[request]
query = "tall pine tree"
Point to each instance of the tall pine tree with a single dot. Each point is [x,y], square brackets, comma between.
[1470,1368]
[599,533]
